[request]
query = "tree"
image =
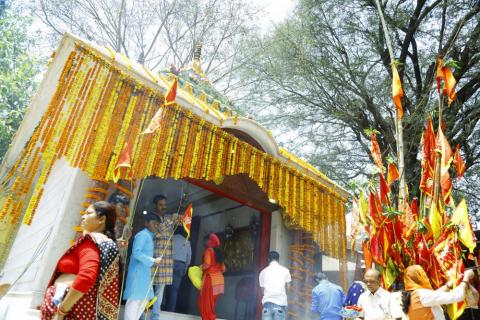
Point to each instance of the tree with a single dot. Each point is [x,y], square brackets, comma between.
[18,68]
[327,73]
[157,33]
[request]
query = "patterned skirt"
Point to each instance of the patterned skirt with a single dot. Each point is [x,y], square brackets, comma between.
[85,308]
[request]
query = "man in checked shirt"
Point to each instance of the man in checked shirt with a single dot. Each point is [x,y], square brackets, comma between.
[163,247]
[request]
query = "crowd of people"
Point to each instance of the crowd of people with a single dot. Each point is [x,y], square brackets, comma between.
[85,283]
[418,301]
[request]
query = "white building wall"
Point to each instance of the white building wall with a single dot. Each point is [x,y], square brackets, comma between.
[38,247]
[280,238]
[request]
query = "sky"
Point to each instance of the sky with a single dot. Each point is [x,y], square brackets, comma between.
[276,10]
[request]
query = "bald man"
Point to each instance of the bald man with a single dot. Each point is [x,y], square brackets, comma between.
[376,302]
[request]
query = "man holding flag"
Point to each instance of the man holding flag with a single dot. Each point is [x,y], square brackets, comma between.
[163,272]
[182,255]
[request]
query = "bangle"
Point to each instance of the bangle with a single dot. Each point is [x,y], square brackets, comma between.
[61,312]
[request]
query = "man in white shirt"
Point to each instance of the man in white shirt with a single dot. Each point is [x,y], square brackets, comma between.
[376,302]
[273,280]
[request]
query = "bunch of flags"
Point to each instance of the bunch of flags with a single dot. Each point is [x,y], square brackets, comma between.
[417,232]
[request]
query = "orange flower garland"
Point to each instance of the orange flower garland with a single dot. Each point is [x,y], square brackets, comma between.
[96,108]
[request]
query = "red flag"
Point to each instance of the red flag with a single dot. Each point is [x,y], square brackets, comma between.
[375,210]
[397,91]
[171,93]
[428,159]
[392,173]
[446,159]
[187,219]
[376,248]
[169,100]
[414,207]
[375,151]
[459,163]
[423,256]
[384,190]
[124,161]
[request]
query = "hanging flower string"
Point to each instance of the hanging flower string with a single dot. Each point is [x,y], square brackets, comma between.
[97,108]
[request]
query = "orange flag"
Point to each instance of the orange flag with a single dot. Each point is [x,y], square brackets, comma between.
[397,91]
[375,151]
[367,255]
[459,163]
[446,159]
[384,190]
[392,174]
[169,100]
[124,161]
[428,158]
[188,224]
[445,74]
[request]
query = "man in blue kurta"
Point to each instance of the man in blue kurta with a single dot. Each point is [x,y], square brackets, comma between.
[327,298]
[138,287]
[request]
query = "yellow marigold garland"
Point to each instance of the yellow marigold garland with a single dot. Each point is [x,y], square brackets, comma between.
[97,108]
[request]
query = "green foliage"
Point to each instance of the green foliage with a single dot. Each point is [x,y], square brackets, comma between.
[18,68]
[324,76]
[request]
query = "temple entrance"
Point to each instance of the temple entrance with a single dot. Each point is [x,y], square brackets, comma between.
[244,233]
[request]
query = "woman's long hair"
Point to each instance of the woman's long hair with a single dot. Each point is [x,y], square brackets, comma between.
[219,256]
[107,210]
[406,295]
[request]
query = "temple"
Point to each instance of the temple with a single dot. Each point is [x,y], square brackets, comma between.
[94,102]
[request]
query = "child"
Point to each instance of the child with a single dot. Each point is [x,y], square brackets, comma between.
[138,290]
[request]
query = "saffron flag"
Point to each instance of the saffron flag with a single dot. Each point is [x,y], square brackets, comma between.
[446,159]
[367,255]
[187,219]
[375,152]
[397,91]
[459,163]
[392,173]
[445,74]
[124,161]
[465,232]
[169,100]
[428,159]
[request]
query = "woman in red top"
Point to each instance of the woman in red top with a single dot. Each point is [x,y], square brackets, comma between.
[212,281]
[88,271]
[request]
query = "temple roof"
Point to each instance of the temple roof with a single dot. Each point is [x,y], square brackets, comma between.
[197,94]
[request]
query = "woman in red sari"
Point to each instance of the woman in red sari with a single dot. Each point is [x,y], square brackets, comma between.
[212,282]
[84,284]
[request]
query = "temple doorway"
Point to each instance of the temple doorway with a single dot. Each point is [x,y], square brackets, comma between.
[244,233]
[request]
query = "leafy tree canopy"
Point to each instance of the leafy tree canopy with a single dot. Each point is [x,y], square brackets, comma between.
[18,68]
[324,76]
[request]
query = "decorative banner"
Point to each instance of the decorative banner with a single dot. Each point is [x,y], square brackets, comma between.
[97,109]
